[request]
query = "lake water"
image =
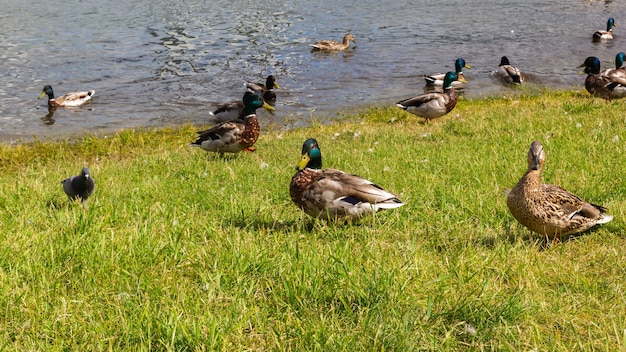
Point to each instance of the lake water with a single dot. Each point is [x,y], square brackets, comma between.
[163,63]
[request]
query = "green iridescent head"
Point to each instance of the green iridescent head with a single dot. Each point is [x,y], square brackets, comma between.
[610,24]
[253,101]
[459,65]
[311,155]
[449,78]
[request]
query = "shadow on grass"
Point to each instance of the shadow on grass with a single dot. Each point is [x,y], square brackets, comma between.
[542,242]
[65,203]
[55,204]
[255,223]
[300,225]
[213,156]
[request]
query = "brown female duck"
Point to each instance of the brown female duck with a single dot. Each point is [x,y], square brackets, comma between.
[550,210]
[332,45]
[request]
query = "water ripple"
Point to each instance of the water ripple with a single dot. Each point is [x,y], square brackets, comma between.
[161,62]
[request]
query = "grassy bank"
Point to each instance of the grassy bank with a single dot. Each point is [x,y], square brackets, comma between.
[177,251]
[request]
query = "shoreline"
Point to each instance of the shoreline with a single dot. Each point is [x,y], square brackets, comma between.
[327,117]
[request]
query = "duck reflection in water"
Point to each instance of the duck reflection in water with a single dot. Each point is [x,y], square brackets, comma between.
[49,118]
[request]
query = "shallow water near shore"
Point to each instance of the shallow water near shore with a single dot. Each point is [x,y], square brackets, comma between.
[159,63]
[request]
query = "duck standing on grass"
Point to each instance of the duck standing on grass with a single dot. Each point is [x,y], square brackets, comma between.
[79,187]
[332,194]
[508,73]
[436,80]
[67,100]
[608,87]
[234,136]
[602,35]
[434,104]
[265,90]
[619,72]
[550,210]
[332,45]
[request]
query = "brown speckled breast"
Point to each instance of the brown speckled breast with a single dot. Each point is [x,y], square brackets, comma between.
[251,132]
[525,210]
[596,87]
[297,188]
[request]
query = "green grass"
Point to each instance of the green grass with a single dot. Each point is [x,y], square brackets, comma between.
[177,251]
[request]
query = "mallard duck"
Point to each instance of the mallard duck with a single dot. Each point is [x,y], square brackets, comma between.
[233,111]
[602,86]
[333,194]
[69,100]
[619,71]
[600,34]
[435,104]
[331,45]
[508,73]
[265,90]
[437,79]
[79,187]
[550,210]
[234,136]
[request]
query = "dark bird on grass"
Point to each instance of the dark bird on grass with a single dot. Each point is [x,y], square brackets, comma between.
[79,187]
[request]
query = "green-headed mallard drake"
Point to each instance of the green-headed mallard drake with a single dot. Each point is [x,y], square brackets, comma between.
[233,111]
[619,71]
[333,194]
[437,79]
[550,210]
[508,73]
[68,100]
[602,86]
[601,35]
[434,104]
[234,136]
[80,186]
[331,45]
[265,90]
